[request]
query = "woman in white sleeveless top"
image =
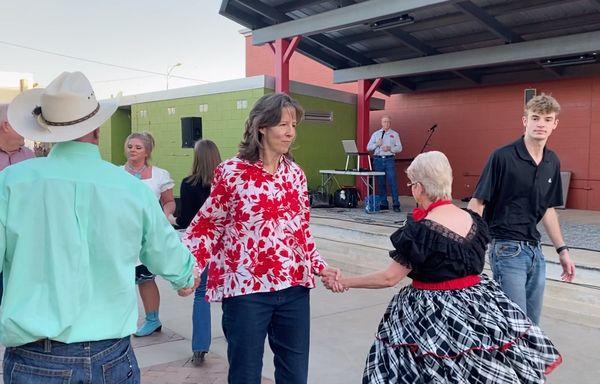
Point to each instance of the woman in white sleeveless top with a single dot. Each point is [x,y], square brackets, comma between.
[138,148]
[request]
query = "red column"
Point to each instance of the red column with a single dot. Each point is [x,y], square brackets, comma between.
[366,89]
[284,49]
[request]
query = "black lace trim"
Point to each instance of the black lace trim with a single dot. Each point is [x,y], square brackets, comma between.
[448,233]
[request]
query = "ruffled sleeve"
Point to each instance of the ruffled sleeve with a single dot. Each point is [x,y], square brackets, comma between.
[406,250]
[165,182]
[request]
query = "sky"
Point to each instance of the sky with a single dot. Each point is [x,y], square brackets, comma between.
[148,35]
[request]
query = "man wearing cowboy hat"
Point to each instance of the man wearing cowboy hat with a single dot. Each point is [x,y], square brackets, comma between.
[72,228]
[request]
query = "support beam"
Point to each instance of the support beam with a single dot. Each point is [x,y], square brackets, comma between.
[322,40]
[595,4]
[284,49]
[338,18]
[412,42]
[296,4]
[504,54]
[488,22]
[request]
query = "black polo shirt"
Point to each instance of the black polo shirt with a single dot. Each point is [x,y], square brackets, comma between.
[517,192]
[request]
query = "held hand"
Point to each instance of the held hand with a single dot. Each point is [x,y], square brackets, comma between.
[183,292]
[379,142]
[333,283]
[568,266]
[331,272]
[386,148]
[172,219]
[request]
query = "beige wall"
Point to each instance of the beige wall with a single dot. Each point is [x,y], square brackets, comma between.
[7,94]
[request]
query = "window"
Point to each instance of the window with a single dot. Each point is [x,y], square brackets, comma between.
[143,113]
[171,110]
[242,104]
[191,131]
[203,108]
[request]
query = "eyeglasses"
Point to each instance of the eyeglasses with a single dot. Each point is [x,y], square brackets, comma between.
[412,183]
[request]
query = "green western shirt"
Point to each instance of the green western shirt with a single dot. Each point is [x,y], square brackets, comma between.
[72,228]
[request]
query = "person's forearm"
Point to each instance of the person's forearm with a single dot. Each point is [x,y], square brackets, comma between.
[381,279]
[552,226]
[169,208]
[375,280]
[476,205]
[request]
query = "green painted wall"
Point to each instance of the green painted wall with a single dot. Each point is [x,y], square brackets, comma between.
[112,136]
[222,123]
[317,146]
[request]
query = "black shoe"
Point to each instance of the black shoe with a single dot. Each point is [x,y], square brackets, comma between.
[384,208]
[198,358]
[397,209]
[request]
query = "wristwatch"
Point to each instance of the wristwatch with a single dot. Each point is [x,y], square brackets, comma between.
[561,248]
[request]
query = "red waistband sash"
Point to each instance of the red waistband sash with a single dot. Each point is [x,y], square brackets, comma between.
[460,283]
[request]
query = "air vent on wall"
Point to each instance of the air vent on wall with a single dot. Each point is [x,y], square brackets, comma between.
[323,117]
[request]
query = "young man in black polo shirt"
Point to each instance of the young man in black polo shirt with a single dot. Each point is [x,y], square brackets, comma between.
[519,187]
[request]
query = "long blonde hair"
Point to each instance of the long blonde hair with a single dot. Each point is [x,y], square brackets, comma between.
[206,159]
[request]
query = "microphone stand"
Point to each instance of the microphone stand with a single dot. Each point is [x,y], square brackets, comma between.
[431,132]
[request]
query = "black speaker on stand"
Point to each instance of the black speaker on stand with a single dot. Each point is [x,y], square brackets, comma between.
[191,131]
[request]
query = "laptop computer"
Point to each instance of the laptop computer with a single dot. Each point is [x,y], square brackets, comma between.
[350,147]
[352,150]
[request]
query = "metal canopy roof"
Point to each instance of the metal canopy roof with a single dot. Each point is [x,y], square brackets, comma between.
[433,44]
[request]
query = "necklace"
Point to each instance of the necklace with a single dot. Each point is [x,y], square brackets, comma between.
[135,172]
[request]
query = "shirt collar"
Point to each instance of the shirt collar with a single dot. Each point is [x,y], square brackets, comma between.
[259,163]
[78,148]
[12,153]
[524,153]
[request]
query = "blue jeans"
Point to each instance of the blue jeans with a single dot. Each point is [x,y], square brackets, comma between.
[387,165]
[201,318]
[50,362]
[520,269]
[283,316]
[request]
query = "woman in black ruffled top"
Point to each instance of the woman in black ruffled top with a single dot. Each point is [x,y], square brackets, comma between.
[453,324]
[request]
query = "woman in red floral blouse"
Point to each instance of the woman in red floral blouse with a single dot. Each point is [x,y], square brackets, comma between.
[252,234]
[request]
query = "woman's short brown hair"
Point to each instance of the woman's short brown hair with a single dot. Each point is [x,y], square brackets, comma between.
[265,113]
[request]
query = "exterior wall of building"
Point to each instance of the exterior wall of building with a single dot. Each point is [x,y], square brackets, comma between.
[112,136]
[260,61]
[222,122]
[318,145]
[473,122]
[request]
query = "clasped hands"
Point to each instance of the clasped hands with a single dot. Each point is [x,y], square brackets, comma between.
[332,280]
[183,292]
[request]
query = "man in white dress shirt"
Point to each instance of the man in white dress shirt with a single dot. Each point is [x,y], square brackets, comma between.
[385,143]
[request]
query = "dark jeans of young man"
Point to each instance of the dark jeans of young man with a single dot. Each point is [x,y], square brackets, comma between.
[283,316]
[50,362]
[387,165]
[520,269]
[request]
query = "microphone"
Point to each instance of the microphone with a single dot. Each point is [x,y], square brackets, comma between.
[382,134]
[433,127]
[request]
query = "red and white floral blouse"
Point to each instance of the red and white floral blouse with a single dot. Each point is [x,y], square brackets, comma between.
[253,231]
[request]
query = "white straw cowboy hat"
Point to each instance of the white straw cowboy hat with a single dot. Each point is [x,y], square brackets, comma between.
[65,110]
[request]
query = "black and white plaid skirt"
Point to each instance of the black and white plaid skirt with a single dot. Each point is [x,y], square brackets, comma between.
[471,335]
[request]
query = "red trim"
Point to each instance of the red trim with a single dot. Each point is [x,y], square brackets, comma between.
[460,283]
[555,364]
[414,348]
